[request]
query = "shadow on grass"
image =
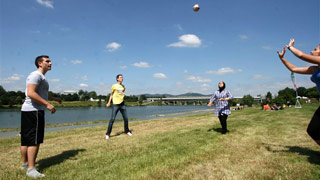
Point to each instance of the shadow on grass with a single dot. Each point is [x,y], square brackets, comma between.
[57,159]
[219,130]
[119,133]
[313,156]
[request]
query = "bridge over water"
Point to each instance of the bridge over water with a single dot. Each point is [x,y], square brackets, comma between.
[188,99]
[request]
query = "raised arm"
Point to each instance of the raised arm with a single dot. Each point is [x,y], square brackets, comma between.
[314,59]
[293,68]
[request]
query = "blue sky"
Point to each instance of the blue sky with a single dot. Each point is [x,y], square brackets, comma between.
[160,46]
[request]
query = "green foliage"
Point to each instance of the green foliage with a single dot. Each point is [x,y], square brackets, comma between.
[131,98]
[302,91]
[312,93]
[142,98]
[247,100]
[269,96]
[285,96]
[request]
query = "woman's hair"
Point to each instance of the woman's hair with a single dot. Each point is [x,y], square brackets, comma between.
[222,88]
[118,76]
[40,59]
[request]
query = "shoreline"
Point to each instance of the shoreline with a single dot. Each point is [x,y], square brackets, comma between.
[11,132]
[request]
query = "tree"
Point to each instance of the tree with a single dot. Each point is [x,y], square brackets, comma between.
[19,100]
[131,98]
[3,96]
[247,100]
[312,92]
[302,91]
[92,94]
[81,93]
[141,99]
[2,90]
[269,96]
[287,94]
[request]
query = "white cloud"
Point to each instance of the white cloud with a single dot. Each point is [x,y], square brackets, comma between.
[54,80]
[123,67]
[142,65]
[185,71]
[46,3]
[187,40]
[198,79]
[267,47]
[242,36]
[205,85]
[224,71]
[113,46]
[179,84]
[260,77]
[11,79]
[35,31]
[85,78]
[83,85]
[160,76]
[76,61]
[15,77]
[62,28]
[179,27]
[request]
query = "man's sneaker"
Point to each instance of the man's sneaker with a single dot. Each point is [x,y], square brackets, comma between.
[33,173]
[107,137]
[24,166]
[129,134]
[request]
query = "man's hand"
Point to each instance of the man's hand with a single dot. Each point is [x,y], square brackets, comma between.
[51,108]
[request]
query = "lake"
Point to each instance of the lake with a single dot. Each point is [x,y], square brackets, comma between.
[10,118]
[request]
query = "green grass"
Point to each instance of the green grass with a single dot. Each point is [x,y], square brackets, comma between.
[260,145]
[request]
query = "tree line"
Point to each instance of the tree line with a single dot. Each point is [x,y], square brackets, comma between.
[12,98]
[285,95]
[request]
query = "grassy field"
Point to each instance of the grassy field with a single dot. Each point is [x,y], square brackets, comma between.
[260,145]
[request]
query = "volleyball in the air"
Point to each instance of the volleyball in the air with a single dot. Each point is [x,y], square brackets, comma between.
[196,7]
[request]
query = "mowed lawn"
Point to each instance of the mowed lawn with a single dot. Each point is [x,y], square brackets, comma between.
[260,145]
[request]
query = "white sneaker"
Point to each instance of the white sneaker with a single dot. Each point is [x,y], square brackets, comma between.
[129,134]
[24,166]
[33,173]
[107,137]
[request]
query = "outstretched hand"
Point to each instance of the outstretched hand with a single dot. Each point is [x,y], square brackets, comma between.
[291,43]
[281,54]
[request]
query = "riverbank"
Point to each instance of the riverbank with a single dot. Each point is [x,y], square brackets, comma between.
[68,104]
[260,145]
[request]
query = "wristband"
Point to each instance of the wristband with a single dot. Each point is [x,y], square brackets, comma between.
[289,47]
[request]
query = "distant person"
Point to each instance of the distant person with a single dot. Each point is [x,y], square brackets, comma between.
[314,58]
[267,107]
[275,107]
[117,97]
[222,110]
[288,103]
[32,115]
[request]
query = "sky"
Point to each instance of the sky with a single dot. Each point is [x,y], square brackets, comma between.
[160,46]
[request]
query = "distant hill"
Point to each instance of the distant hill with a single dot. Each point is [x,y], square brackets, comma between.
[170,95]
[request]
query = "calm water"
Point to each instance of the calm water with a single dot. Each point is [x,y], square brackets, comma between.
[10,118]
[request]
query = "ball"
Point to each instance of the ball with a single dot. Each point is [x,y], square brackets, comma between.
[196,7]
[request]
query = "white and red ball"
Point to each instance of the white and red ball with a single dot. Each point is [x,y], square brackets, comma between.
[196,7]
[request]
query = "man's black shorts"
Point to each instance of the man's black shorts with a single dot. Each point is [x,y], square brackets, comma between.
[32,128]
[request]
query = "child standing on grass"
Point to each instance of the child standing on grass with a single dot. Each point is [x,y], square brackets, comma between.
[314,125]
[117,97]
